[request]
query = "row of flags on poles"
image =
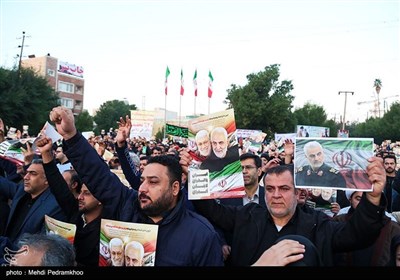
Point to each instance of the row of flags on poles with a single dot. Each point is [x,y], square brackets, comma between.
[210,76]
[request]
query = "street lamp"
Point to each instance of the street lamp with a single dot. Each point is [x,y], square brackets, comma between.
[345,104]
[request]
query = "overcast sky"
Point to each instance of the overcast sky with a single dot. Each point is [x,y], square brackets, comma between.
[125,46]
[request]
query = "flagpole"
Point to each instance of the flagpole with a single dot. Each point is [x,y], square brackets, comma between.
[195,98]
[210,91]
[195,90]
[165,115]
[167,72]
[180,102]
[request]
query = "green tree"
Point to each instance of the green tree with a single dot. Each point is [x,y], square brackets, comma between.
[84,121]
[110,112]
[370,128]
[380,129]
[160,134]
[25,100]
[390,123]
[264,103]
[310,114]
[333,127]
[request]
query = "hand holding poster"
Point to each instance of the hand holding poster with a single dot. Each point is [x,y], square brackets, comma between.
[13,150]
[63,229]
[337,163]
[127,244]
[217,172]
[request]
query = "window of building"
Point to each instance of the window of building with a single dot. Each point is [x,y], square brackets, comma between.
[51,72]
[78,105]
[79,90]
[67,102]
[66,87]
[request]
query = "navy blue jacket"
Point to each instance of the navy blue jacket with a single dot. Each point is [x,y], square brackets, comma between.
[184,237]
[34,220]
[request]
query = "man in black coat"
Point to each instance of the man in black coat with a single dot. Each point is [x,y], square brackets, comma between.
[256,229]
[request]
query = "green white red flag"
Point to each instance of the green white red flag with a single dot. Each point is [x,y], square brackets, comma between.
[182,88]
[210,90]
[195,82]
[167,72]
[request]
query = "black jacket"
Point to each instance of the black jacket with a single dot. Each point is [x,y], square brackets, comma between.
[87,239]
[254,230]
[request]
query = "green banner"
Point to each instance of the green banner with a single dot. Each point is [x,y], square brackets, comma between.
[177,130]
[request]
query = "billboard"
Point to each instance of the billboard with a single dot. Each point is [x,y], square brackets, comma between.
[312,131]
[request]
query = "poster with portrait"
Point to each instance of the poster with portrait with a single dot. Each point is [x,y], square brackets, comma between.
[250,140]
[337,163]
[322,199]
[216,171]
[127,244]
[63,229]
[13,150]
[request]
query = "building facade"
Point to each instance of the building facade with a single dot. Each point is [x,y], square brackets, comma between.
[65,78]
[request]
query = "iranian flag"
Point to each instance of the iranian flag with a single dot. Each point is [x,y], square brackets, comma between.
[167,72]
[195,82]
[210,90]
[182,88]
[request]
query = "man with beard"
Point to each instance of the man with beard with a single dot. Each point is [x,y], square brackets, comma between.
[391,193]
[84,211]
[221,154]
[134,254]
[116,250]
[184,237]
[203,143]
[318,173]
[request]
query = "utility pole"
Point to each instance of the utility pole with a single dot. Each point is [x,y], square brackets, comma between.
[345,104]
[22,49]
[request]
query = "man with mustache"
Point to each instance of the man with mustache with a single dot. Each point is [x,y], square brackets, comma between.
[203,143]
[318,173]
[116,249]
[184,237]
[85,211]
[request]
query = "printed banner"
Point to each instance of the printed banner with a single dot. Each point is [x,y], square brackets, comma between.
[12,150]
[216,171]
[63,229]
[251,140]
[337,163]
[142,124]
[312,131]
[175,130]
[70,69]
[321,199]
[127,244]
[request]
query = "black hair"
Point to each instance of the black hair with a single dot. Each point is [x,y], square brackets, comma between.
[172,163]
[280,169]
[75,178]
[390,156]
[256,158]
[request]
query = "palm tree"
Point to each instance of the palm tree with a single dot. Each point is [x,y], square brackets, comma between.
[378,86]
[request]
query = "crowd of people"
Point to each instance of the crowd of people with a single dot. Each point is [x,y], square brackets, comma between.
[275,223]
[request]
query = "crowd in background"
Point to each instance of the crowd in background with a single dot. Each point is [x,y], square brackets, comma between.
[68,181]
